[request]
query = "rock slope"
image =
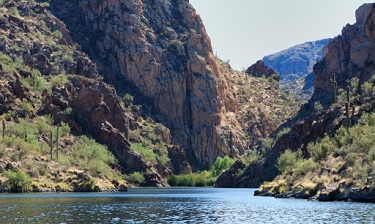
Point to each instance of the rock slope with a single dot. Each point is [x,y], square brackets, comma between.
[162,48]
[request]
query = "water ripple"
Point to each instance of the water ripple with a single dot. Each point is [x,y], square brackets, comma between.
[177,205]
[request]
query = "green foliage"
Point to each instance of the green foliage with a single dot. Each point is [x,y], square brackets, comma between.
[137,178]
[15,12]
[8,64]
[45,4]
[221,164]
[320,150]
[26,106]
[303,166]
[186,180]
[281,133]
[59,80]
[318,106]
[128,97]
[18,181]
[267,144]
[286,161]
[68,112]
[65,129]
[40,36]
[35,83]
[146,153]
[21,141]
[251,156]
[366,87]
[67,57]
[164,34]
[293,162]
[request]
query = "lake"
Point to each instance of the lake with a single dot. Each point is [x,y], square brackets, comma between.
[176,205]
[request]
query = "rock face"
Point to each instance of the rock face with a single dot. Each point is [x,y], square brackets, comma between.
[163,49]
[349,55]
[259,69]
[296,61]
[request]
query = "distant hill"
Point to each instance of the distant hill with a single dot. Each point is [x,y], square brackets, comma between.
[297,61]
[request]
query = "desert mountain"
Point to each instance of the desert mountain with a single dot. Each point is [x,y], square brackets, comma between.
[297,61]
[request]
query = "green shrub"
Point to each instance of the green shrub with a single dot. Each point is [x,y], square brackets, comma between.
[221,164]
[64,129]
[59,80]
[185,180]
[282,132]
[172,180]
[18,181]
[145,152]
[15,11]
[303,166]
[40,36]
[251,156]
[137,178]
[351,158]
[211,181]
[128,97]
[321,150]
[318,107]
[286,161]
[26,106]
[199,181]
[267,144]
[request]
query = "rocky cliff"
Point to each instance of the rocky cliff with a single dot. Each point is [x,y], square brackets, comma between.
[163,50]
[259,69]
[349,55]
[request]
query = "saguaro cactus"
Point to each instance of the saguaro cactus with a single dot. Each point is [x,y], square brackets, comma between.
[231,141]
[25,135]
[3,129]
[349,117]
[51,143]
[57,143]
[334,88]
[127,130]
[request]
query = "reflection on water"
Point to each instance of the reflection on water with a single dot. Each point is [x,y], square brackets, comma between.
[176,205]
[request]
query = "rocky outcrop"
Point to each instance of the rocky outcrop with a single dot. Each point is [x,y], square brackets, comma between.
[163,49]
[349,55]
[229,178]
[259,69]
[296,61]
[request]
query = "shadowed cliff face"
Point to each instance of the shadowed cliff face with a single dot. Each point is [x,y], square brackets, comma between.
[163,49]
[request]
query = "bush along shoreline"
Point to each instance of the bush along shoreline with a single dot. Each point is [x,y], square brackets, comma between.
[202,179]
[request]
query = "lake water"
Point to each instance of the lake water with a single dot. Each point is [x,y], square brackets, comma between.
[176,205]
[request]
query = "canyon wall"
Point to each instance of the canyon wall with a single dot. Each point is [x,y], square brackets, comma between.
[162,48]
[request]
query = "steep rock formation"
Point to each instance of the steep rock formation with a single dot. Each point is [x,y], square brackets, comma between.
[259,69]
[163,49]
[347,56]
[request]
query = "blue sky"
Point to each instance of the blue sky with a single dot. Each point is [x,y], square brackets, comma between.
[243,31]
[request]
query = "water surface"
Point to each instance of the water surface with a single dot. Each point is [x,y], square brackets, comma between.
[176,205]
